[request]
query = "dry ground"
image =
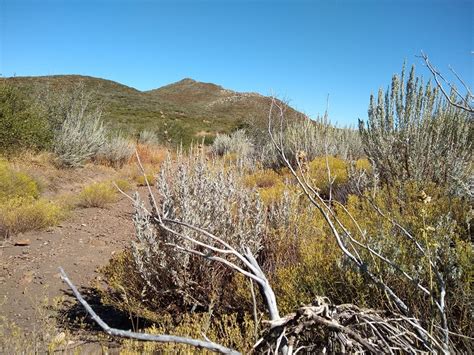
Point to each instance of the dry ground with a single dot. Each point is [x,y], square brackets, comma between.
[81,244]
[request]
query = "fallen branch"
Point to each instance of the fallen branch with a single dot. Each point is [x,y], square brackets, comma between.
[162,338]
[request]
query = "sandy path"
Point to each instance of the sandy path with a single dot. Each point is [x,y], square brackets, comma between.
[81,244]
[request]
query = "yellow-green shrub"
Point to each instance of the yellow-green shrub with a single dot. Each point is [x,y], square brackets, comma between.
[97,195]
[23,214]
[438,222]
[141,181]
[363,164]
[307,263]
[14,184]
[318,172]
[123,184]
[269,184]
[229,330]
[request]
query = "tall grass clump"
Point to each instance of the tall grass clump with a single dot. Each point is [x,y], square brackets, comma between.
[97,195]
[21,208]
[24,214]
[16,184]
[23,125]
[413,133]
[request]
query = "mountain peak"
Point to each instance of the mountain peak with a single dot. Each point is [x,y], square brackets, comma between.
[186,81]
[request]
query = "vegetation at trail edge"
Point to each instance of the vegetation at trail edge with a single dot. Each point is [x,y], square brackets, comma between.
[264,237]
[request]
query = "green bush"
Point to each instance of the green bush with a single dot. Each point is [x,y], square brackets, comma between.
[22,125]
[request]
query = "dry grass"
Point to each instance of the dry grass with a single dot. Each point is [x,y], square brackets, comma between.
[97,195]
[21,215]
[150,154]
[16,184]
[44,337]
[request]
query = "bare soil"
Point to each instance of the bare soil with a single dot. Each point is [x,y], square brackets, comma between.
[80,245]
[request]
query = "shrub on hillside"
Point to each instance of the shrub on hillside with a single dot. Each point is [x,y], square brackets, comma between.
[147,137]
[236,143]
[413,133]
[115,152]
[80,137]
[314,138]
[22,124]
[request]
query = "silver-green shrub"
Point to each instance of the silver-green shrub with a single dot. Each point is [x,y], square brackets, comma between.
[79,129]
[116,151]
[315,138]
[79,138]
[238,143]
[413,133]
[202,193]
[148,137]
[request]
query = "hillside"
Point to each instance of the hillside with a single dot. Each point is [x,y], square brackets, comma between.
[180,112]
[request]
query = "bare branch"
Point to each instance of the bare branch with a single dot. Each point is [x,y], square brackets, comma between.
[466,106]
[203,344]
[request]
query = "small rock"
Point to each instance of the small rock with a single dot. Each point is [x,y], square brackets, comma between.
[22,243]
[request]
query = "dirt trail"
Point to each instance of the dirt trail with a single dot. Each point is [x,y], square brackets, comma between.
[81,244]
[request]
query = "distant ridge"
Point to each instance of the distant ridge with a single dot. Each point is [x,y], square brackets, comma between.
[179,112]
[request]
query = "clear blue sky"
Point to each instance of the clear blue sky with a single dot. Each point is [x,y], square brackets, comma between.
[300,50]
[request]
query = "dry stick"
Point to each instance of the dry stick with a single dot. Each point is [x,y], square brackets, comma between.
[255,316]
[163,338]
[336,326]
[437,75]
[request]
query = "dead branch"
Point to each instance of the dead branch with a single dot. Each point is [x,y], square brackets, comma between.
[465,102]
[342,329]
[163,338]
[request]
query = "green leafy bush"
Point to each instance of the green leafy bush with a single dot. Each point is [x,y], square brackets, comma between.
[22,125]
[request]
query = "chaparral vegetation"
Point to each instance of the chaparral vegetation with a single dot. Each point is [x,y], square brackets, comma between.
[281,234]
